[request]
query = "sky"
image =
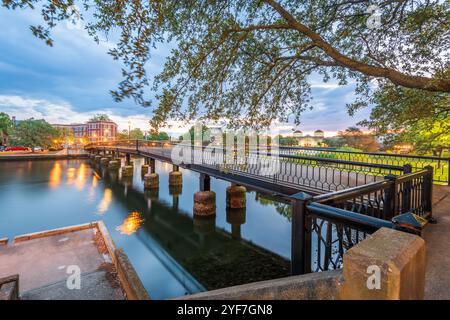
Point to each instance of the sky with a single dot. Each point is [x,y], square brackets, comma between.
[70,82]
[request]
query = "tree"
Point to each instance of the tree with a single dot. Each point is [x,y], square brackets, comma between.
[334,142]
[122,135]
[158,136]
[250,61]
[6,126]
[428,135]
[402,115]
[66,135]
[355,138]
[287,141]
[99,117]
[33,133]
[134,134]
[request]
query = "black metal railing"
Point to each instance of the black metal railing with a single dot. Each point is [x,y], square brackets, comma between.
[324,227]
[319,174]
[441,165]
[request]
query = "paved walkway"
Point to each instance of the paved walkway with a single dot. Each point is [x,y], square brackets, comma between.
[45,264]
[437,237]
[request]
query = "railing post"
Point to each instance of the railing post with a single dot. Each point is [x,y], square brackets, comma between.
[300,235]
[406,192]
[448,171]
[389,203]
[428,192]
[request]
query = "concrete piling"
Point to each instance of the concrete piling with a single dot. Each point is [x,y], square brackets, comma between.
[104,161]
[114,165]
[127,171]
[151,181]
[175,178]
[236,197]
[204,203]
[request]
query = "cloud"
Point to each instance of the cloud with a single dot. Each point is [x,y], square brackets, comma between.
[71,81]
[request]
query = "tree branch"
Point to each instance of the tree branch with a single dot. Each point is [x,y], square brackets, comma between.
[409,81]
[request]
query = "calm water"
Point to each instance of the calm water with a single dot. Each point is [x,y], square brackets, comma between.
[173,253]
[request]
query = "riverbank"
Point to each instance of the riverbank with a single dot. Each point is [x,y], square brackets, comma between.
[60,155]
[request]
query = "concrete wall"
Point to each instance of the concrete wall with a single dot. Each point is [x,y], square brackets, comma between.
[389,264]
[9,288]
[312,286]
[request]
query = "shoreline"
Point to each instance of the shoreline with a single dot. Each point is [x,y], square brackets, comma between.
[28,157]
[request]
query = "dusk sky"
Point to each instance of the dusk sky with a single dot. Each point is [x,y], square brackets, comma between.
[70,82]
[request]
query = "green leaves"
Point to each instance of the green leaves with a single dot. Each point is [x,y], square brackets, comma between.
[33,133]
[249,61]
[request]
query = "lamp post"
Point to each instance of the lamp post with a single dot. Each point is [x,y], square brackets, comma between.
[129,129]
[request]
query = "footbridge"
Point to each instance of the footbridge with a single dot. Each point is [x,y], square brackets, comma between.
[335,203]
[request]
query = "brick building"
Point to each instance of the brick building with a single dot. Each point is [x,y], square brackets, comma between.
[92,131]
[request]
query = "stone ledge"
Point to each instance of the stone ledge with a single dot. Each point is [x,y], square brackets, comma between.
[313,286]
[128,277]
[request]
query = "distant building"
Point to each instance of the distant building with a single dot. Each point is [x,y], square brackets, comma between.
[315,140]
[92,131]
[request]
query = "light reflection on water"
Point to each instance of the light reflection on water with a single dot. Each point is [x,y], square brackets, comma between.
[131,224]
[173,252]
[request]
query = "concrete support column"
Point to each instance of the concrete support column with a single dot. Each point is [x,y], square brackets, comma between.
[386,266]
[104,161]
[204,203]
[145,169]
[127,171]
[175,178]
[236,197]
[128,159]
[151,163]
[205,182]
[151,181]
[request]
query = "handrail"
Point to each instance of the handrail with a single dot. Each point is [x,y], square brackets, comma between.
[411,176]
[353,192]
[366,153]
[349,218]
[295,157]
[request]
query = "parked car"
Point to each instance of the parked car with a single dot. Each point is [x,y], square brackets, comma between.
[38,149]
[17,148]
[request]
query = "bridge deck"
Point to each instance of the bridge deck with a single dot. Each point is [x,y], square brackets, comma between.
[290,176]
